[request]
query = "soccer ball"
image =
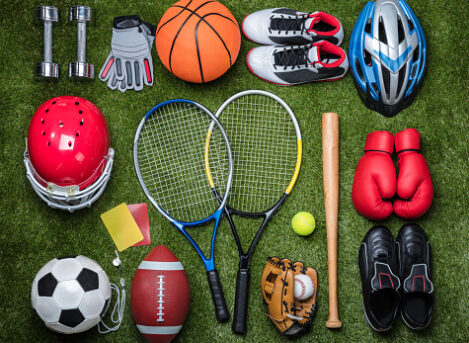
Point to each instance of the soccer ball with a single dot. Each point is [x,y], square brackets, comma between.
[70,294]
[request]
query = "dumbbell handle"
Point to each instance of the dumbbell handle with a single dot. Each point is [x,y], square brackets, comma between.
[47,41]
[81,41]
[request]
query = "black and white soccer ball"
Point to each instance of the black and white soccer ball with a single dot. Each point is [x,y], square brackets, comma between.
[70,294]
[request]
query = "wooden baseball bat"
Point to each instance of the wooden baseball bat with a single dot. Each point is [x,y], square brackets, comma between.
[330,169]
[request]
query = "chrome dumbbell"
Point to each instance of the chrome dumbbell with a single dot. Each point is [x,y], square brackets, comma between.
[80,68]
[47,68]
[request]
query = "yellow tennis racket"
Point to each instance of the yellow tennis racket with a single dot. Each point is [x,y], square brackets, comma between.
[265,140]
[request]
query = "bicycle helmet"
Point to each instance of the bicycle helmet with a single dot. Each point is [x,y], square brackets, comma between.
[387,55]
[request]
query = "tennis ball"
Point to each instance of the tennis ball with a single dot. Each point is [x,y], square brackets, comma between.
[303,223]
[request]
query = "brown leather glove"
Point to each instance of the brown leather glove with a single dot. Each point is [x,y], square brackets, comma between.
[292,316]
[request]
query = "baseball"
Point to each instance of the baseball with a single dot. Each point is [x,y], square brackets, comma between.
[304,287]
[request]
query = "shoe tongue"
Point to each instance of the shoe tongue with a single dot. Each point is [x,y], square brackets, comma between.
[313,54]
[418,280]
[309,23]
[384,278]
[286,24]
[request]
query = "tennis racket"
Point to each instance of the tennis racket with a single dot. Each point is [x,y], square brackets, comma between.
[266,143]
[174,154]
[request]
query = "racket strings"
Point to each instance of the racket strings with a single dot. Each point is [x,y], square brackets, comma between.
[264,145]
[171,149]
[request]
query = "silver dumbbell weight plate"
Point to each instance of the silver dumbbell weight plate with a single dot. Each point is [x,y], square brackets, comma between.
[81,69]
[46,70]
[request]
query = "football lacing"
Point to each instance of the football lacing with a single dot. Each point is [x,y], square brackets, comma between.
[160,296]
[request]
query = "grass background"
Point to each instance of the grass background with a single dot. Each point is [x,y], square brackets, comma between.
[31,233]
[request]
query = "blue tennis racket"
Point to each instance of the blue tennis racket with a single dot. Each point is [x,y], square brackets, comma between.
[179,165]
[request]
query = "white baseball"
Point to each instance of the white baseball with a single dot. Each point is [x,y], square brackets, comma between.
[304,287]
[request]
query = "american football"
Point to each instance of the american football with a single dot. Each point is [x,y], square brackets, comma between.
[160,296]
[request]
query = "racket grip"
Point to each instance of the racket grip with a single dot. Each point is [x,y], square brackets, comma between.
[241,302]
[221,311]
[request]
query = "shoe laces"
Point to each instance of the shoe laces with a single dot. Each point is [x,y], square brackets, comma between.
[287,24]
[293,57]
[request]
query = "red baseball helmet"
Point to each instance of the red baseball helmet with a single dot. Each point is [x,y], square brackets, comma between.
[68,159]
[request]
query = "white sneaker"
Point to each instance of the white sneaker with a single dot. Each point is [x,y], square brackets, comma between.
[291,65]
[284,26]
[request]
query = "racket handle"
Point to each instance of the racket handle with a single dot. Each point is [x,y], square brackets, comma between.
[218,297]
[241,302]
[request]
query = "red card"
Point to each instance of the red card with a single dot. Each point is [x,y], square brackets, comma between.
[140,214]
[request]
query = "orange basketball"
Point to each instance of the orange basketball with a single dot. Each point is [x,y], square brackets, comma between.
[198,40]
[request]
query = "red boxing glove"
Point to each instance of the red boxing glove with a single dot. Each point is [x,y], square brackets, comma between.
[374,184]
[414,183]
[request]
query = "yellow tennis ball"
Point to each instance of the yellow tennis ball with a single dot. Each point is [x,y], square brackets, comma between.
[303,223]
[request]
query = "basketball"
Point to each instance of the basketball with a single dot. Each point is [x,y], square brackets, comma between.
[198,40]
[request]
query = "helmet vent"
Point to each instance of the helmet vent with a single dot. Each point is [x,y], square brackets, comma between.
[416,54]
[386,80]
[411,25]
[77,103]
[359,70]
[401,78]
[48,143]
[42,121]
[400,30]
[47,110]
[54,102]
[81,122]
[69,143]
[80,111]
[77,134]
[368,27]
[367,58]
[43,133]
[61,124]
[382,32]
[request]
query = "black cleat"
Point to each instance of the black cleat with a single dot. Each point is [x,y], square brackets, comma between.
[414,257]
[378,269]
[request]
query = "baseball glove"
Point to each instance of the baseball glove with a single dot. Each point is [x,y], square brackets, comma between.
[292,316]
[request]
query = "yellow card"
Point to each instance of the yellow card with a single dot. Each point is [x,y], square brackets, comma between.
[122,227]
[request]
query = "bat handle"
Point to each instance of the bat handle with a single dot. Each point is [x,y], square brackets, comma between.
[241,302]
[221,311]
[333,322]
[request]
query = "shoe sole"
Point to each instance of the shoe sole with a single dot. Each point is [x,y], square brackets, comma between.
[415,328]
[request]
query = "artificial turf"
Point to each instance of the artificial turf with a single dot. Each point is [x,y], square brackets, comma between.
[31,233]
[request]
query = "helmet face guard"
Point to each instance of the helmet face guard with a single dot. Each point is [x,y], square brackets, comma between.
[69,198]
[387,55]
[68,159]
